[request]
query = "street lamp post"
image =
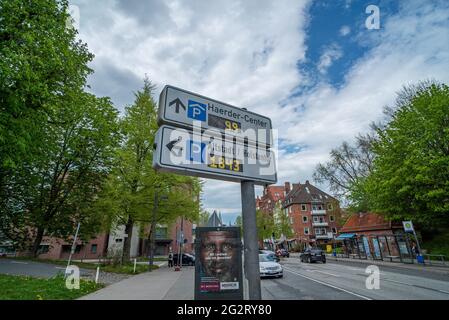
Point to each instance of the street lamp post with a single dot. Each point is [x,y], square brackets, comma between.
[153,226]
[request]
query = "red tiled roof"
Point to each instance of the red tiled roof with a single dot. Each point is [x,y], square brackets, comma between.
[366,222]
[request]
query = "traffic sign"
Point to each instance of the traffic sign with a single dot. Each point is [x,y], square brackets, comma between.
[185,109]
[198,154]
[408,226]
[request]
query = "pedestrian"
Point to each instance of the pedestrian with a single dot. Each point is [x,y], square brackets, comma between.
[170,259]
[415,249]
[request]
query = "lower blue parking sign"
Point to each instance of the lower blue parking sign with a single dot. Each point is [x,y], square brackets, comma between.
[195,151]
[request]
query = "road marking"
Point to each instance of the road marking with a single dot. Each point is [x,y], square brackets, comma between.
[329,285]
[408,284]
[417,286]
[19,262]
[331,274]
[62,268]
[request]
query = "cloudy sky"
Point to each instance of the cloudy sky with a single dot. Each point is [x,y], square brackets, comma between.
[312,66]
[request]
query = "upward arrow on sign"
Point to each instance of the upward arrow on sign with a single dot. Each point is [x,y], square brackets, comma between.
[177,104]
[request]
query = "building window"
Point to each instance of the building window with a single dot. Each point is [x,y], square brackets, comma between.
[306,231]
[118,240]
[276,194]
[291,220]
[305,219]
[303,207]
[93,248]
[329,207]
[315,219]
[332,218]
[334,230]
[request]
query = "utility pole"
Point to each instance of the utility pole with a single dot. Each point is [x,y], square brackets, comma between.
[153,229]
[251,245]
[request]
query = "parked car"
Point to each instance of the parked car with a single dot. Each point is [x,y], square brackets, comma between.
[313,255]
[2,253]
[269,268]
[270,254]
[285,253]
[187,259]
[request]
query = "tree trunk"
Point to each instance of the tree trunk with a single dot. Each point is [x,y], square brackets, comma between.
[127,241]
[37,242]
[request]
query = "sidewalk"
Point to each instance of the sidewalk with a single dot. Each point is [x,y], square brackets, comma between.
[161,284]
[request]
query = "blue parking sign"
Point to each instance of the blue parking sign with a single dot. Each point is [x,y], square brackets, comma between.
[196,110]
[195,151]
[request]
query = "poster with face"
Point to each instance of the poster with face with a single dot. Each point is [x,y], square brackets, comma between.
[218,268]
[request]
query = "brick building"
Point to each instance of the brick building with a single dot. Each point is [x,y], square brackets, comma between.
[271,196]
[314,215]
[58,249]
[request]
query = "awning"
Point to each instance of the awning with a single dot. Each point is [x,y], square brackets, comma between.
[344,236]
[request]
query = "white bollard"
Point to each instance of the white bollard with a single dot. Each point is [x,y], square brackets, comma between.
[98,273]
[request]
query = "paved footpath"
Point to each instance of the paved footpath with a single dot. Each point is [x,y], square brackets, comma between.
[161,284]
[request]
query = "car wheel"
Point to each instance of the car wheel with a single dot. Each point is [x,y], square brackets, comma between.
[324,261]
[309,260]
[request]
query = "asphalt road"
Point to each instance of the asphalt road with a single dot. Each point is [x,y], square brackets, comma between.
[31,268]
[301,281]
[340,280]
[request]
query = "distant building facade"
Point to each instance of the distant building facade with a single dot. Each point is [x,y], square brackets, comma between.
[314,214]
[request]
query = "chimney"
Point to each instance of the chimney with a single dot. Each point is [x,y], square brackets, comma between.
[287,187]
[307,182]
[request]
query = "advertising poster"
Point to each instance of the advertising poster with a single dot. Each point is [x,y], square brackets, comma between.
[218,264]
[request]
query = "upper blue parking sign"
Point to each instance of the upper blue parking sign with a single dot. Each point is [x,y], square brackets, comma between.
[197,110]
[184,109]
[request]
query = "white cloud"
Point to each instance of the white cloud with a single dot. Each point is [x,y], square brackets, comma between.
[330,54]
[345,30]
[410,49]
[246,53]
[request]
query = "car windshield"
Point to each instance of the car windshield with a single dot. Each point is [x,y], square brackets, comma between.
[265,258]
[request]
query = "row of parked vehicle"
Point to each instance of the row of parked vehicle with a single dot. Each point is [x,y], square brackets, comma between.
[269,261]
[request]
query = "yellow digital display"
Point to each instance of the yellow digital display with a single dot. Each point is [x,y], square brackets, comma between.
[220,162]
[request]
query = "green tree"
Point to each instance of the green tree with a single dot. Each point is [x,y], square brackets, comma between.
[282,224]
[53,192]
[203,218]
[410,179]
[40,61]
[265,225]
[128,197]
[347,170]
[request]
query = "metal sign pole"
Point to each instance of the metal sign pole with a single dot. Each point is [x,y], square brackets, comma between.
[251,245]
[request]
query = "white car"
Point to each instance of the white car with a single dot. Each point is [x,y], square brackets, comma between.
[269,268]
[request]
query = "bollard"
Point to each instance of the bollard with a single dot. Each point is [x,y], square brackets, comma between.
[98,273]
